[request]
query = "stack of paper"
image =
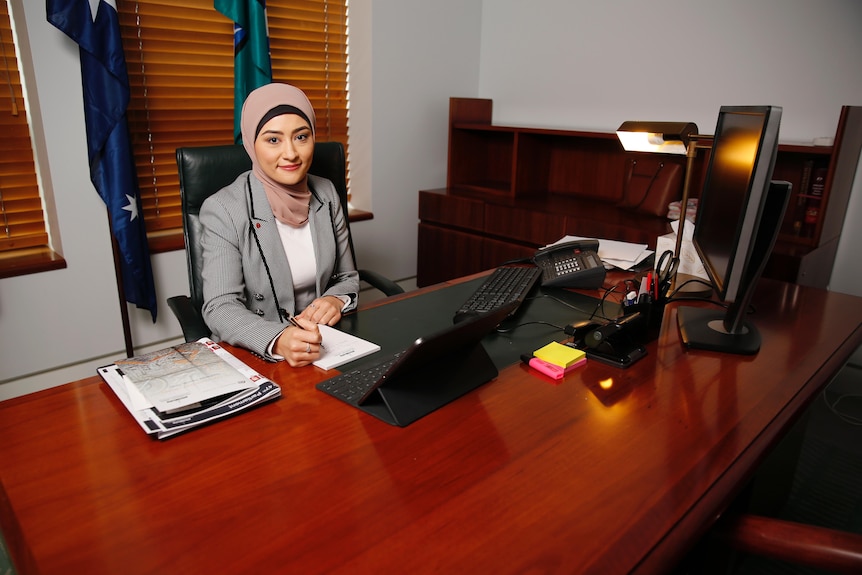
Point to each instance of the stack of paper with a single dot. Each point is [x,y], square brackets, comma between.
[177,389]
[623,255]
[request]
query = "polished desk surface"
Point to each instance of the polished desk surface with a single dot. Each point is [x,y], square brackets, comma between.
[609,471]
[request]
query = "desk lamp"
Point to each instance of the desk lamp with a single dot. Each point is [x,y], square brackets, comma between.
[678,138]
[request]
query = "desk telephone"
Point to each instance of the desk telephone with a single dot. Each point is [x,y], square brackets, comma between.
[574,264]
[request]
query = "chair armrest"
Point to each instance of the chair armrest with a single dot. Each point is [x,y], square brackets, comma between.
[380,282]
[190,319]
[796,543]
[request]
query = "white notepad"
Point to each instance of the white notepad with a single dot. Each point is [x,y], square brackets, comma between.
[340,347]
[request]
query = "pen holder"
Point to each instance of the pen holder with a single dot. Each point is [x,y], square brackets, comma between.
[652,311]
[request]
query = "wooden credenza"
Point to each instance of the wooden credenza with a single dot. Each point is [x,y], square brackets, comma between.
[512,189]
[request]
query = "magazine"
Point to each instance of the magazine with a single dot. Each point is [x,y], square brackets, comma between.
[177,389]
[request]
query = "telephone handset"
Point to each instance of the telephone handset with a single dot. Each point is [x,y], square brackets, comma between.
[574,264]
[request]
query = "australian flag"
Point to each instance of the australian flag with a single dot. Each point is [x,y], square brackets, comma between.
[95,27]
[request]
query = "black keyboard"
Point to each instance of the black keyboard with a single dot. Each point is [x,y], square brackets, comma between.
[352,386]
[505,284]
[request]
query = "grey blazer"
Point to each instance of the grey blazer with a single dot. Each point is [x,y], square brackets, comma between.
[239,306]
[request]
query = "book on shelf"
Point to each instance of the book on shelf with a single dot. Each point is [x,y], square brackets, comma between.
[798,210]
[803,214]
[813,200]
[177,389]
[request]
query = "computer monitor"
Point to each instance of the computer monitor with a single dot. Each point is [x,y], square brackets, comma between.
[738,218]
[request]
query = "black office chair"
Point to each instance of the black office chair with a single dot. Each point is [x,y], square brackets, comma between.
[204,171]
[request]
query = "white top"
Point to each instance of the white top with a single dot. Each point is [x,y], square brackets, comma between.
[299,249]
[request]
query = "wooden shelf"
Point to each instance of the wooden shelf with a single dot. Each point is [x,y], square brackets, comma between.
[525,186]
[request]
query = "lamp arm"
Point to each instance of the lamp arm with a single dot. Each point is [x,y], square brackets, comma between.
[690,155]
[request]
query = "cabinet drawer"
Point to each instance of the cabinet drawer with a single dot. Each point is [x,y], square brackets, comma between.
[445,254]
[538,228]
[450,210]
[496,252]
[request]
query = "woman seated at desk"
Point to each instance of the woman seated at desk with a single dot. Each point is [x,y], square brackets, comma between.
[276,255]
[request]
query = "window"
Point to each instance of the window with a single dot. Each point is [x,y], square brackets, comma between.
[22,225]
[308,45]
[180,62]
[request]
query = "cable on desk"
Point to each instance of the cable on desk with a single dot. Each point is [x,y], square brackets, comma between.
[576,308]
[601,304]
[506,330]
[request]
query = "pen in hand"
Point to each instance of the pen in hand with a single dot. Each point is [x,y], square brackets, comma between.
[295,323]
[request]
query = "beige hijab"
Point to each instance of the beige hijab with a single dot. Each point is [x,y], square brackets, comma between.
[289,203]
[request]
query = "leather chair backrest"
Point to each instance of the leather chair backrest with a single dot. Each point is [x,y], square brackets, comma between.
[205,170]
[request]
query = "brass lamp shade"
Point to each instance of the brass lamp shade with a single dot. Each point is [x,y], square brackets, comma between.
[661,137]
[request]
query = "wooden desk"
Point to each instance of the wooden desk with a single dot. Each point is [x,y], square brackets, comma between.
[610,471]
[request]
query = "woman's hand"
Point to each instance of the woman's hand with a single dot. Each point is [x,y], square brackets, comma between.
[325,310]
[297,346]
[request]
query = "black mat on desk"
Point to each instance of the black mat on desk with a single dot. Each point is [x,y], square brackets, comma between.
[396,325]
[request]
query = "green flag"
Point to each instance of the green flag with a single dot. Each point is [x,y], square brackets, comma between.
[252,68]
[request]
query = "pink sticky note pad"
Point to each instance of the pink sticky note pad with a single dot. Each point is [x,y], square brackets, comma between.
[554,371]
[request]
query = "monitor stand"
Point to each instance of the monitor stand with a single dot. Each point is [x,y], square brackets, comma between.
[708,329]
[703,328]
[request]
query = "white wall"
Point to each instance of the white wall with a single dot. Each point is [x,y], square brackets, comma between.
[547,62]
[405,63]
[586,65]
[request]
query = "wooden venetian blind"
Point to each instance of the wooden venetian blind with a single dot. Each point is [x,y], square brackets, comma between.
[308,46]
[180,61]
[22,224]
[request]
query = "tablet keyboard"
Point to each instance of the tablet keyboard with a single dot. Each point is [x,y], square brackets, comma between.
[352,386]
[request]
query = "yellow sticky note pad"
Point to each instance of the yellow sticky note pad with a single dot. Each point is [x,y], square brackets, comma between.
[559,354]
